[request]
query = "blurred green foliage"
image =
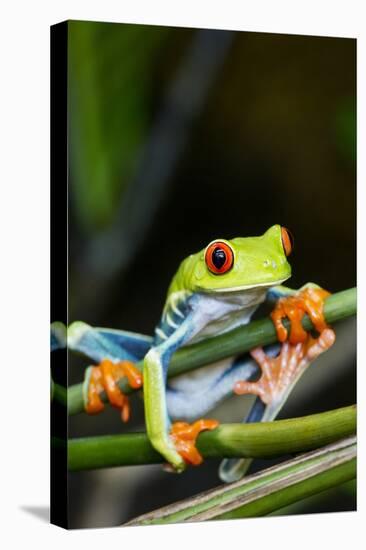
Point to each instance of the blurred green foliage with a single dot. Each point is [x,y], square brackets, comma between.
[109,74]
[273,141]
[346,128]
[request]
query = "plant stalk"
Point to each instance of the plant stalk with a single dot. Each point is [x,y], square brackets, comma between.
[240,340]
[266,491]
[257,440]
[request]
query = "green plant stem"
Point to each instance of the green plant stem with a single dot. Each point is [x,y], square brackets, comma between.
[59,393]
[240,340]
[262,439]
[267,491]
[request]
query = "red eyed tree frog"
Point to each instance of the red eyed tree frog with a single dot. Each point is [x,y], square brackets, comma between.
[213,291]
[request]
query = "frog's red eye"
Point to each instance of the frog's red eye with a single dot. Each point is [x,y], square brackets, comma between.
[219,257]
[287,241]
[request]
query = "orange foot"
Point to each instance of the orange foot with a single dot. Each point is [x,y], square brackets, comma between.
[279,374]
[104,377]
[309,300]
[184,436]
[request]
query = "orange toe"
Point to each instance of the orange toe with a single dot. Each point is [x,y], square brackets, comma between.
[307,301]
[184,436]
[95,387]
[105,377]
[280,373]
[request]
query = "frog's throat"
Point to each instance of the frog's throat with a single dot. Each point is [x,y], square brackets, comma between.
[239,288]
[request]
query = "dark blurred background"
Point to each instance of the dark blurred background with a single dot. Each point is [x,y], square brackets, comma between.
[179,136]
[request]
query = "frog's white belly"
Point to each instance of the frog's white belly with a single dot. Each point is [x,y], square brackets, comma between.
[220,312]
[194,393]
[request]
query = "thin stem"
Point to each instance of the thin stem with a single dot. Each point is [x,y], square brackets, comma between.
[59,393]
[262,439]
[267,491]
[240,340]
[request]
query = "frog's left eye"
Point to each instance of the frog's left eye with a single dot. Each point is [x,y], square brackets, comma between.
[219,257]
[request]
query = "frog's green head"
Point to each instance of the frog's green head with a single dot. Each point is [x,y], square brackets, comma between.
[237,264]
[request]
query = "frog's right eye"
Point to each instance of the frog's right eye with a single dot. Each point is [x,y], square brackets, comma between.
[219,257]
[287,240]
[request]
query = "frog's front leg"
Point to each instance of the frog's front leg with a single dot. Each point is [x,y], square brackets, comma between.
[176,442]
[156,418]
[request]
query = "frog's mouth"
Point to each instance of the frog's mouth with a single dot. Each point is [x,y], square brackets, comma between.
[241,288]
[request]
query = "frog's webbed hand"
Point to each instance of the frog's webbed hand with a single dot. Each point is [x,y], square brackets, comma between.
[299,348]
[105,377]
[280,374]
[184,437]
[309,299]
[115,353]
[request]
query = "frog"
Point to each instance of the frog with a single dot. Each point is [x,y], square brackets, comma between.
[213,291]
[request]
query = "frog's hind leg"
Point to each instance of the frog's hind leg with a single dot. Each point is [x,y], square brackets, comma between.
[280,374]
[233,469]
[105,343]
[192,395]
[58,336]
[114,353]
[278,378]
